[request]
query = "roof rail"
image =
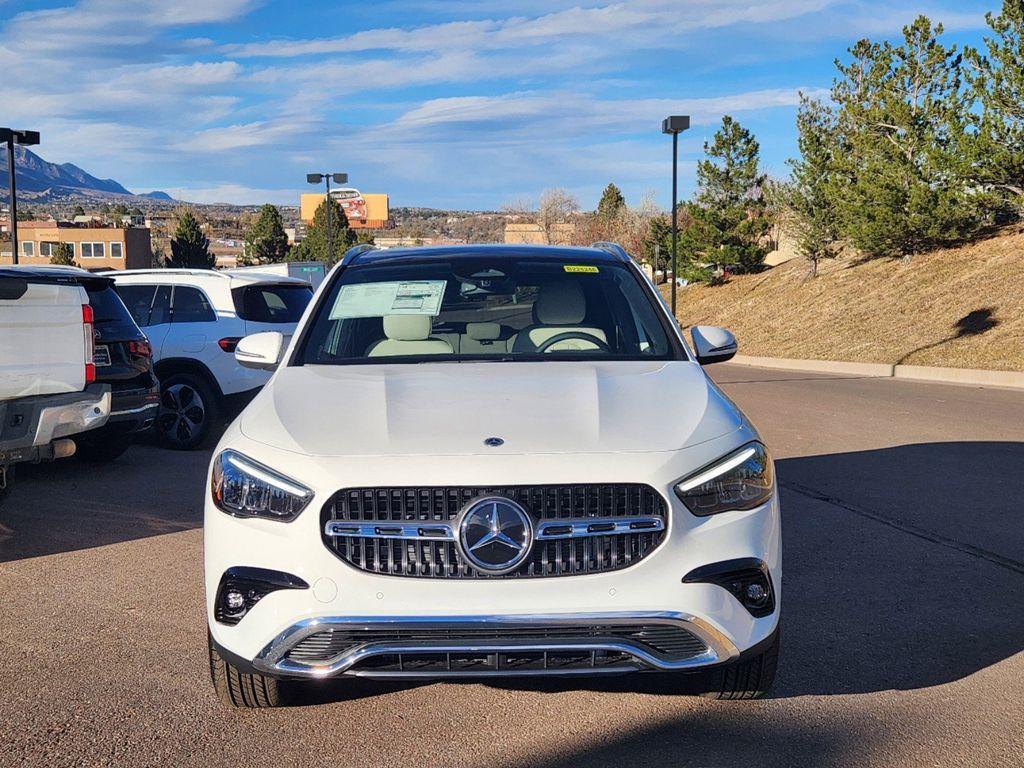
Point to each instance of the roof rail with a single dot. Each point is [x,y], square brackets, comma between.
[355,250]
[613,248]
[166,271]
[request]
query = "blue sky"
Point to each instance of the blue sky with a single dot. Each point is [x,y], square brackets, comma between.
[453,103]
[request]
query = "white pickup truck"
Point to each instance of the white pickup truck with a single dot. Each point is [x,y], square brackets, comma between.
[47,372]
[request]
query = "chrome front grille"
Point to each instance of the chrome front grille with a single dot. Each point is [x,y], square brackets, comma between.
[579,529]
[520,646]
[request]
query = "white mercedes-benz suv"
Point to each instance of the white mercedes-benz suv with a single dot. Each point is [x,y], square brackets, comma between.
[490,461]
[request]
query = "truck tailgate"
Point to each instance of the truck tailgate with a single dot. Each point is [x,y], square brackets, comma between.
[42,346]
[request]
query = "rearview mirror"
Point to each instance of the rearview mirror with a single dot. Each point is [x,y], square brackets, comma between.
[261,351]
[713,344]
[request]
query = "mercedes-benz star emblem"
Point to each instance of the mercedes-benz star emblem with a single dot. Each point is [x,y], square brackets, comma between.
[495,534]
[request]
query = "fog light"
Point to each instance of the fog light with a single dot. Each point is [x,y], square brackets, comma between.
[756,594]
[242,587]
[746,578]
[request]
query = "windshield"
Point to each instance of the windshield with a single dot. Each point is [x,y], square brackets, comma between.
[469,309]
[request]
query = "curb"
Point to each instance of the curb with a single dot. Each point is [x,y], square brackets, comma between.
[879,370]
[973,376]
[964,376]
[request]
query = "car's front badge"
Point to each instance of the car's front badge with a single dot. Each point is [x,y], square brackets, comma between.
[493,442]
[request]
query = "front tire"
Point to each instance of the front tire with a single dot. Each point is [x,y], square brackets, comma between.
[747,679]
[189,408]
[242,690]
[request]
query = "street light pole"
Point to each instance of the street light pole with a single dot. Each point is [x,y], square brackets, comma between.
[675,125]
[330,229]
[11,137]
[339,178]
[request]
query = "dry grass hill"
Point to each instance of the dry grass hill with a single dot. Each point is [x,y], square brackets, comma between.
[959,307]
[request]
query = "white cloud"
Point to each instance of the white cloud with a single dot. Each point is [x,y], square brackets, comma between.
[565,114]
[630,25]
[234,194]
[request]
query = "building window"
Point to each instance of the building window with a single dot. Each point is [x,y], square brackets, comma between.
[92,250]
[116,251]
[28,248]
[47,248]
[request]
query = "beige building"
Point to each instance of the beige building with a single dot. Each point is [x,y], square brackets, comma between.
[533,234]
[94,248]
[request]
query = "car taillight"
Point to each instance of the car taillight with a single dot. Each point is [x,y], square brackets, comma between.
[90,343]
[229,343]
[140,348]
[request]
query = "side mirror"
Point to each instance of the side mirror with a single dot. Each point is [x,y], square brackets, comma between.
[713,344]
[261,351]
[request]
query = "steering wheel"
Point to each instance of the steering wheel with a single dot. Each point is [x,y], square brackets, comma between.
[582,335]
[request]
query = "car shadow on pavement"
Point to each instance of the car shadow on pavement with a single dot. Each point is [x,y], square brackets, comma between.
[68,505]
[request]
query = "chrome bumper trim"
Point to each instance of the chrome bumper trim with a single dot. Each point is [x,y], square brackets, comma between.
[140,409]
[272,659]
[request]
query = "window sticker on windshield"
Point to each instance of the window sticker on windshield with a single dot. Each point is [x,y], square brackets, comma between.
[579,268]
[407,297]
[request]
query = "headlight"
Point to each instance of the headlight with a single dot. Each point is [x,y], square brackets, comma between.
[741,480]
[245,488]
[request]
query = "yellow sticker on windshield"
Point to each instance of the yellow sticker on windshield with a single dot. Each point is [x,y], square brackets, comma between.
[578,268]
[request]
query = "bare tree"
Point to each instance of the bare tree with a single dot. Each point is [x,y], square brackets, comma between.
[555,207]
[520,208]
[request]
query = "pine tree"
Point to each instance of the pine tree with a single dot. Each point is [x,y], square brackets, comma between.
[79,211]
[814,176]
[728,213]
[997,83]
[266,241]
[902,116]
[63,255]
[190,248]
[612,202]
[313,246]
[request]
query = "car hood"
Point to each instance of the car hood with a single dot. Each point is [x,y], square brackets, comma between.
[451,408]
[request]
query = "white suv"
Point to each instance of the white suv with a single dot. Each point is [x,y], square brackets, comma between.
[490,461]
[194,318]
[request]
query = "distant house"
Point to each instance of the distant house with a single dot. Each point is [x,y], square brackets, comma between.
[94,248]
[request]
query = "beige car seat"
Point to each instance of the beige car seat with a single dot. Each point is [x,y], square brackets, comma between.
[482,339]
[408,335]
[560,308]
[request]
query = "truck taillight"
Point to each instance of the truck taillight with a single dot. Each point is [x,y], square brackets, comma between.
[90,344]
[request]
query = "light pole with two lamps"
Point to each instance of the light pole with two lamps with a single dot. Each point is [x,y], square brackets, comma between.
[25,138]
[338,178]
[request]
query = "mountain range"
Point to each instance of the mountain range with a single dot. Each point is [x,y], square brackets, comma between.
[42,181]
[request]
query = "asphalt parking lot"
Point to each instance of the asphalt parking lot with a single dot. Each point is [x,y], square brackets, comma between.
[903,616]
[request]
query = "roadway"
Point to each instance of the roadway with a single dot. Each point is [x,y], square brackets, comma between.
[903,606]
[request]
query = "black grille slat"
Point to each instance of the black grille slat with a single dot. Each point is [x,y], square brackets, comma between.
[441,559]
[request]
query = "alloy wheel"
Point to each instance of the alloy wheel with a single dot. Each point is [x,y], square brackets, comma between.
[182,413]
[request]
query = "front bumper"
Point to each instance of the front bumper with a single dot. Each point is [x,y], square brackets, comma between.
[499,645]
[341,597]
